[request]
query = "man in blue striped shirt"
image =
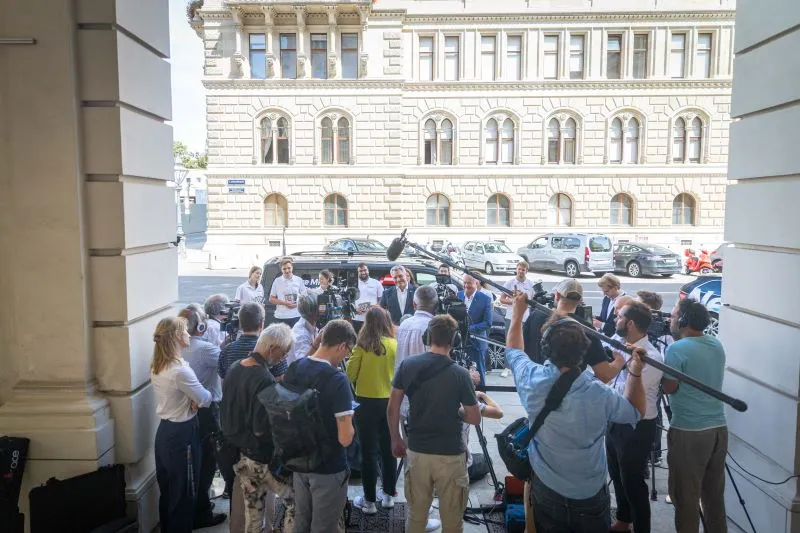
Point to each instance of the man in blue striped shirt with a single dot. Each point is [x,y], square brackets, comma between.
[251,322]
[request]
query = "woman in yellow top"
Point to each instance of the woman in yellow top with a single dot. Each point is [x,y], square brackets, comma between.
[371,370]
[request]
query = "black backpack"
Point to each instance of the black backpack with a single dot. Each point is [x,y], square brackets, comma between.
[302,444]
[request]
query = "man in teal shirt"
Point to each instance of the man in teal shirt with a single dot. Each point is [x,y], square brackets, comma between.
[698,436]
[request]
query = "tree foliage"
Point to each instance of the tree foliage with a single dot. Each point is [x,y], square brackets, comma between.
[191,160]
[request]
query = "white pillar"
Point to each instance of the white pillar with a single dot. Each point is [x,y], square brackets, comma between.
[333,59]
[760,327]
[303,63]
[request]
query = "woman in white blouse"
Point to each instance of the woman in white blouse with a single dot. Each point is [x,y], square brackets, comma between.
[251,290]
[177,447]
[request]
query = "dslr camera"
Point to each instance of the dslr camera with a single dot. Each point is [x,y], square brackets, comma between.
[337,301]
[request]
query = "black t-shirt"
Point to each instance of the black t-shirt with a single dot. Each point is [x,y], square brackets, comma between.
[595,354]
[336,397]
[434,426]
[242,415]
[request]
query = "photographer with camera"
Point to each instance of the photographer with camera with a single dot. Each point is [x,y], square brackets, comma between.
[306,339]
[251,290]
[566,452]
[628,447]
[437,389]
[444,288]
[479,311]
[215,307]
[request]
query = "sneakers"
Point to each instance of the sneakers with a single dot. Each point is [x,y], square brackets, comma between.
[432,525]
[387,501]
[505,373]
[365,506]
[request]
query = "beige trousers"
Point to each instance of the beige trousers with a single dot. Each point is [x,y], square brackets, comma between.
[445,473]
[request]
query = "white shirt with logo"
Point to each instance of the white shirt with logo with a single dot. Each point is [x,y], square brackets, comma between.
[522,286]
[369,294]
[290,291]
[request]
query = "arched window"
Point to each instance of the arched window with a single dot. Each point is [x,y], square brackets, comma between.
[267,142]
[621,210]
[554,141]
[327,141]
[446,142]
[437,210]
[430,142]
[272,140]
[491,150]
[283,141]
[335,207]
[683,210]
[334,135]
[560,210]
[695,140]
[687,140]
[498,211]
[679,141]
[276,211]
[343,131]
[561,141]
[570,136]
[623,143]
[508,141]
[437,142]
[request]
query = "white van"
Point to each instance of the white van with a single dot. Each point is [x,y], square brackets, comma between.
[572,253]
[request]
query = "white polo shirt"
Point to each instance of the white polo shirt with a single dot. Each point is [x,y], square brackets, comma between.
[522,286]
[247,293]
[651,376]
[369,294]
[289,290]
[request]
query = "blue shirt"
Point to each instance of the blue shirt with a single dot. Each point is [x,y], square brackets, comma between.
[703,359]
[568,452]
[203,357]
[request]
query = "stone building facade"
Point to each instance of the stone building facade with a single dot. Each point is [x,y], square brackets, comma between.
[443,116]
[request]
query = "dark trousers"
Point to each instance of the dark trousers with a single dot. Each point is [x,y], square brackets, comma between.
[208,419]
[376,444]
[288,321]
[555,513]
[478,356]
[627,450]
[177,453]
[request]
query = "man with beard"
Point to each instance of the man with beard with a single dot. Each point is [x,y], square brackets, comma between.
[627,447]
[370,291]
[697,440]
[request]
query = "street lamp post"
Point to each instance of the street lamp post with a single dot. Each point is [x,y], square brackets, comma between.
[181,173]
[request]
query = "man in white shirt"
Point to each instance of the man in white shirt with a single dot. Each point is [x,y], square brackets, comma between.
[284,293]
[628,447]
[306,340]
[370,291]
[522,284]
[399,300]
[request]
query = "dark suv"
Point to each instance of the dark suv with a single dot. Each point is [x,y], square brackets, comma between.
[307,266]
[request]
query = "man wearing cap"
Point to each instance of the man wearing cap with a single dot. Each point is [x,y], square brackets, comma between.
[569,294]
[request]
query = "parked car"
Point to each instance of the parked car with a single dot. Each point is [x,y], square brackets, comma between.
[642,259]
[708,291]
[572,253]
[356,246]
[490,256]
[448,249]
[718,256]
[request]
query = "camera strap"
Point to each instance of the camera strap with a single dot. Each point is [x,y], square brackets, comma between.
[552,402]
[434,369]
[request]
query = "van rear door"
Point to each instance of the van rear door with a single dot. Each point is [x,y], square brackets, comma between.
[601,255]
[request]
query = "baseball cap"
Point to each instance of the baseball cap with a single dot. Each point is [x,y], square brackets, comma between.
[570,288]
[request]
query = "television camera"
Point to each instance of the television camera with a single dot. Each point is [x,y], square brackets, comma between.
[659,328]
[230,318]
[450,304]
[542,296]
[336,301]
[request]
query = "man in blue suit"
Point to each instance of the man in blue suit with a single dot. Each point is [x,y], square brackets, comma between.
[479,308]
[399,300]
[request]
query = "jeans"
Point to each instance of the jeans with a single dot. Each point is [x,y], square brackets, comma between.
[697,475]
[445,473]
[376,443]
[177,452]
[627,450]
[319,502]
[555,513]
[208,419]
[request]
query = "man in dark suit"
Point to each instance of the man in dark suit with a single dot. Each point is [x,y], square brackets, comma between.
[399,300]
[479,308]
[606,322]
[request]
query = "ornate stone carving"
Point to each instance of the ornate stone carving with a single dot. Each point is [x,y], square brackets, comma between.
[270,65]
[562,118]
[238,63]
[331,15]
[438,119]
[332,62]
[272,116]
[362,65]
[300,12]
[301,66]
[269,15]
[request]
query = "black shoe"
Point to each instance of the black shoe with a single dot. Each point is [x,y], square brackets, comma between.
[211,520]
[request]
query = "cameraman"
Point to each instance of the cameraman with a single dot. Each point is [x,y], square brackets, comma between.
[567,453]
[214,306]
[437,389]
[306,340]
[444,270]
[251,322]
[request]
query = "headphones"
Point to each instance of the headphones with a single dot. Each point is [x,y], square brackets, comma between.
[455,341]
[196,319]
[683,321]
[544,345]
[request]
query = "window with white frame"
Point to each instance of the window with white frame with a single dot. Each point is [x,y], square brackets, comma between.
[550,57]
[514,57]
[276,211]
[334,140]
[488,57]
[577,53]
[335,210]
[437,210]
[683,210]
[498,210]
[349,51]
[623,146]
[451,57]
[499,140]
[426,58]
[621,213]
[258,55]
[319,55]
[507,139]
[274,133]
[492,136]
[288,55]
[703,60]
[437,139]
[614,57]
[559,212]
[562,140]
[640,55]
[677,55]
[687,139]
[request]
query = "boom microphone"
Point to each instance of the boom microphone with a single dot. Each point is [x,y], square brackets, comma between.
[396,248]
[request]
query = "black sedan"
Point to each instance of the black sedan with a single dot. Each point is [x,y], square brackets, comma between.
[642,259]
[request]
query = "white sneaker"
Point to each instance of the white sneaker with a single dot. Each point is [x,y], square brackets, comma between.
[432,525]
[505,373]
[387,501]
[365,506]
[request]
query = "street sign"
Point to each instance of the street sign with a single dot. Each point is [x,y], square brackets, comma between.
[235,182]
[236,190]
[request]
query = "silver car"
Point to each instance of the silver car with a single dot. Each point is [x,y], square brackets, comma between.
[572,253]
[490,256]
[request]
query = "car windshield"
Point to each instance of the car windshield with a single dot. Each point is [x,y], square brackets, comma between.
[370,246]
[600,244]
[496,248]
[658,250]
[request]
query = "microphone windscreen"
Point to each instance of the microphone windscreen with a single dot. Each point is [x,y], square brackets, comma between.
[395,249]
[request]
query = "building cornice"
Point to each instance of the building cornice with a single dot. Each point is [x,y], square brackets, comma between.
[471,86]
[555,18]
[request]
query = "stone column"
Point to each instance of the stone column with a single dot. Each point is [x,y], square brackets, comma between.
[303,66]
[269,24]
[759,323]
[333,59]
[85,218]
[239,59]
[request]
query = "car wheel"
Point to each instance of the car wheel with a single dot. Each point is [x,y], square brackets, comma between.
[571,268]
[666,275]
[713,326]
[634,269]
[705,270]
[497,357]
[489,269]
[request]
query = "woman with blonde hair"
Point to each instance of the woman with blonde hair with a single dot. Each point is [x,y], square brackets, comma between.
[177,446]
[371,370]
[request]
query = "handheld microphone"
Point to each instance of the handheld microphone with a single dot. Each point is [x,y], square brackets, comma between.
[396,248]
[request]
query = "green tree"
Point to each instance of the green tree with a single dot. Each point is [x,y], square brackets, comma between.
[191,160]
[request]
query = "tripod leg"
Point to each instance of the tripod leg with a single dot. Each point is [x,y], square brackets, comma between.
[498,487]
[653,490]
[739,496]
